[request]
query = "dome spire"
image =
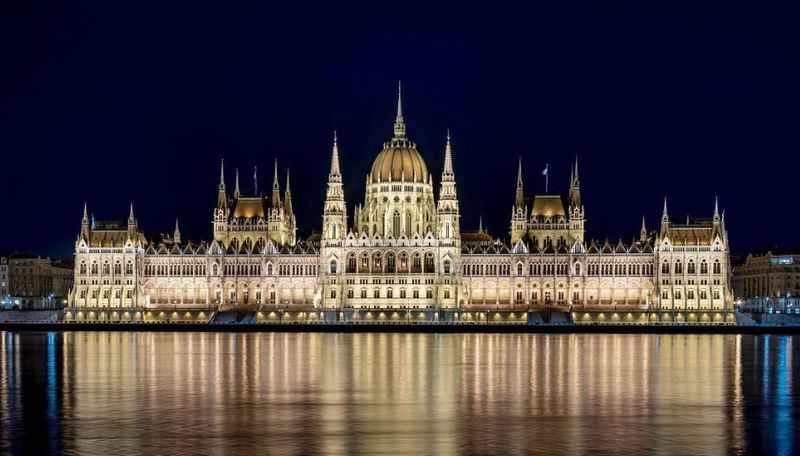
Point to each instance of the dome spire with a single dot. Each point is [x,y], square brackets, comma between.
[399,121]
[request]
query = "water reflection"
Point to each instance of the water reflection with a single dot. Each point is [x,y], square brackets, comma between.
[294,393]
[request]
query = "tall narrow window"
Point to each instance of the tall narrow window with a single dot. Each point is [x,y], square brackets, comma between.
[396,225]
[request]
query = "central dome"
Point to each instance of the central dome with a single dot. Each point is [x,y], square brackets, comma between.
[399,161]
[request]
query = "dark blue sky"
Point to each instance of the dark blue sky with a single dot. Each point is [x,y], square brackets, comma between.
[111,102]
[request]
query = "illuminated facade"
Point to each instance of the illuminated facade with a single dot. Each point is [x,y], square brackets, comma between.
[403,251]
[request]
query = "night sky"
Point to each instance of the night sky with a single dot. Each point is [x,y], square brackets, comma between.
[115,102]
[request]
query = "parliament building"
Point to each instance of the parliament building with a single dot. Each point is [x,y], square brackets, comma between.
[402,256]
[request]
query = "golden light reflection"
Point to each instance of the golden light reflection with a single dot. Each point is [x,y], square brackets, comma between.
[326,393]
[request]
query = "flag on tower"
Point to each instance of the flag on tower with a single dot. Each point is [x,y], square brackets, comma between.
[545,173]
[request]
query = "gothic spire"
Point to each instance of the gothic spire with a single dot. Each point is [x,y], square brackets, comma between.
[222,197]
[335,158]
[448,157]
[131,218]
[276,188]
[519,200]
[643,231]
[575,187]
[665,214]
[85,218]
[236,192]
[287,197]
[399,121]
[448,183]
[480,224]
[716,208]
[176,236]
[222,174]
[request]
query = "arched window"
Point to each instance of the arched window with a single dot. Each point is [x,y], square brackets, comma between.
[717,267]
[396,225]
[678,267]
[416,264]
[519,269]
[333,267]
[269,268]
[83,268]
[447,230]
[351,263]
[703,267]
[690,269]
[446,266]
[117,268]
[390,263]
[429,264]
[214,269]
[377,264]
[577,269]
[665,267]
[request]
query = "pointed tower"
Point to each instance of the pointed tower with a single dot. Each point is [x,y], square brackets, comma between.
[643,232]
[519,212]
[399,122]
[717,220]
[334,219]
[85,224]
[665,220]
[220,219]
[276,188]
[447,209]
[236,192]
[176,235]
[575,187]
[287,201]
[222,197]
[131,224]
[334,230]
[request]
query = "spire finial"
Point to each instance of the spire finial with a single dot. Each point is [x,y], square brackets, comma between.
[222,174]
[716,207]
[288,188]
[131,218]
[85,212]
[335,156]
[480,223]
[643,231]
[399,122]
[236,192]
[276,188]
[664,214]
[577,178]
[519,199]
[448,156]
[176,235]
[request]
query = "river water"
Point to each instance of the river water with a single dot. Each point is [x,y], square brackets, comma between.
[321,393]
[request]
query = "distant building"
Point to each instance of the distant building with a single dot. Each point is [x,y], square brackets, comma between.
[3,279]
[35,282]
[768,283]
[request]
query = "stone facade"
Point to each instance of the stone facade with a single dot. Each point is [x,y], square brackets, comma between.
[768,282]
[403,251]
